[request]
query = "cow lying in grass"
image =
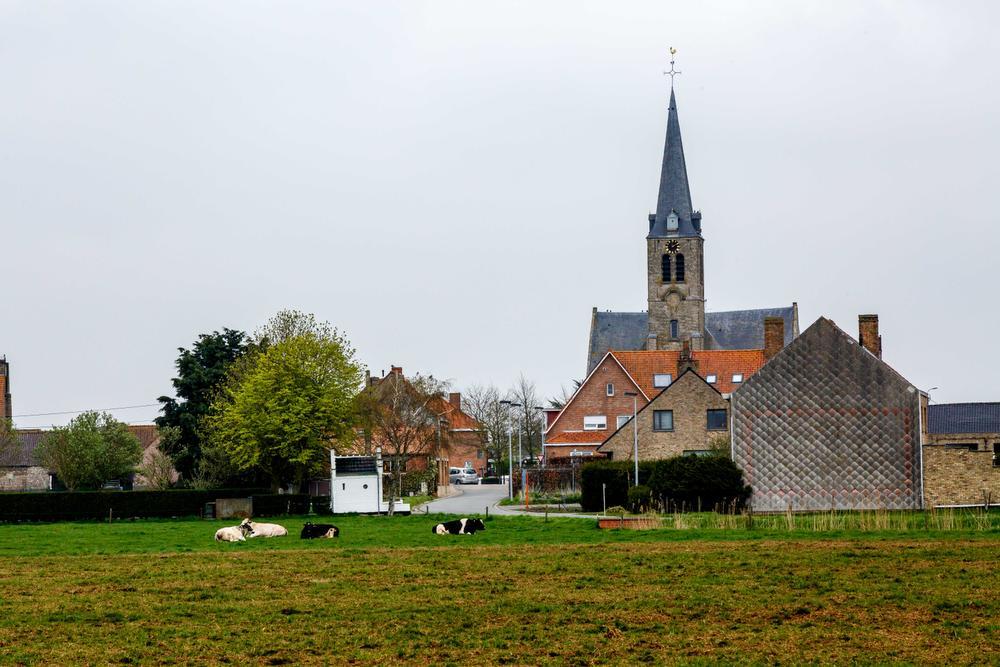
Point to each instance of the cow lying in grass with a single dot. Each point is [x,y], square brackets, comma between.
[264,529]
[234,533]
[459,527]
[313,530]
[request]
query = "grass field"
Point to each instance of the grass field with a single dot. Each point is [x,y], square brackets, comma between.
[525,591]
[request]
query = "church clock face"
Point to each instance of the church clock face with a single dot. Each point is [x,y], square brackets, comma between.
[673,247]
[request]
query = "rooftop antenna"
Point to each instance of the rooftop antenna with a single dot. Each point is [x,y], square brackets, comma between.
[673,72]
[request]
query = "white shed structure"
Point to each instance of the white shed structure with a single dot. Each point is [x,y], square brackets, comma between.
[356,485]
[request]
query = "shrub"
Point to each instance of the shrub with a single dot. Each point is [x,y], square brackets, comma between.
[639,498]
[616,476]
[699,482]
[490,480]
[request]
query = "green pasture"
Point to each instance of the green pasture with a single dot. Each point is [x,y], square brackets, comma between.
[525,591]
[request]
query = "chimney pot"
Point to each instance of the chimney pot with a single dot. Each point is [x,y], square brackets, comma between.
[774,336]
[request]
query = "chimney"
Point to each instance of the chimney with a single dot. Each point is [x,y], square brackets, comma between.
[455,400]
[396,370]
[868,334]
[651,341]
[774,336]
[685,360]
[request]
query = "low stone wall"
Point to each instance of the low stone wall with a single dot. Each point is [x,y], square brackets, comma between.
[959,476]
[24,478]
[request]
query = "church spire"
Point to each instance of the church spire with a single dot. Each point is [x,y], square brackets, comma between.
[675,195]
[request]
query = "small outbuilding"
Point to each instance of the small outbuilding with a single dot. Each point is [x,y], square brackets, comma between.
[356,486]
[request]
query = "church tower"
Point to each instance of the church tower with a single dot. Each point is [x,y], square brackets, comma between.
[675,254]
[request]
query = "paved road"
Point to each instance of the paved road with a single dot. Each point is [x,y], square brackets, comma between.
[473,499]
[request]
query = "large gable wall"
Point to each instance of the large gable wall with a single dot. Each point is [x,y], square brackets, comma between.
[825,424]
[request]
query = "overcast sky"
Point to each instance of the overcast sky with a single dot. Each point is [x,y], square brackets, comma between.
[455,184]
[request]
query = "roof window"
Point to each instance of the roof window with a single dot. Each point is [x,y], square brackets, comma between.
[711,379]
[661,380]
[737,378]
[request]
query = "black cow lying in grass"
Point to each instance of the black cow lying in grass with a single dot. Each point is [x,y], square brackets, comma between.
[313,530]
[459,527]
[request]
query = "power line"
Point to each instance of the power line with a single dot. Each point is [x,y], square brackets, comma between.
[77,412]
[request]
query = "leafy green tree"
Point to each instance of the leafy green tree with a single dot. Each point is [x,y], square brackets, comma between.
[90,450]
[201,371]
[10,444]
[283,405]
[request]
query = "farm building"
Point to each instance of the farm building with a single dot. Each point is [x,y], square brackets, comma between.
[961,454]
[827,424]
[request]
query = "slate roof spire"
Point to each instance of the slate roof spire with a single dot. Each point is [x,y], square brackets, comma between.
[674,195]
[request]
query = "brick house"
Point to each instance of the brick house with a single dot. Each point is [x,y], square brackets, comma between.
[826,424]
[601,406]
[684,418]
[961,453]
[460,435]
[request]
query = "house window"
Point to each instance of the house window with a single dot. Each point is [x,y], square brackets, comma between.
[622,420]
[679,268]
[479,453]
[711,379]
[697,452]
[737,378]
[663,420]
[717,420]
[968,446]
[610,389]
[665,269]
[673,329]
[595,423]
[996,454]
[661,380]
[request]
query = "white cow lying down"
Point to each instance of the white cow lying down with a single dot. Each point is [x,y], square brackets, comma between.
[264,529]
[233,533]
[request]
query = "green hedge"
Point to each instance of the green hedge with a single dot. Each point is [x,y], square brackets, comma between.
[685,483]
[80,505]
[616,476]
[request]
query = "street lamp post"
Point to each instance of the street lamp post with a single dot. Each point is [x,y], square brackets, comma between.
[635,433]
[510,447]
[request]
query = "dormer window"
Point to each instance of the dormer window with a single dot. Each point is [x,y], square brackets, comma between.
[672,221]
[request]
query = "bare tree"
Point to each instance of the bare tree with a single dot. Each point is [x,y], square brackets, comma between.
[398,415]
[483,403]
[527,417]
[560,400]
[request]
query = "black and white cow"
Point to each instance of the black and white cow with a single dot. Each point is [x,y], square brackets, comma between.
[313,530]
[459,527]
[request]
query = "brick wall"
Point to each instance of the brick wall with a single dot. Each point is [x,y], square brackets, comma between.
[689,398]
[960,476]
[592,399]
[466,446]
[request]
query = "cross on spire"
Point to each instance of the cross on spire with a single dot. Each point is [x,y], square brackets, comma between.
[673,72]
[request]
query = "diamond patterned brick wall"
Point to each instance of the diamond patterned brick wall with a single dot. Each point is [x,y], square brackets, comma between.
[825,424]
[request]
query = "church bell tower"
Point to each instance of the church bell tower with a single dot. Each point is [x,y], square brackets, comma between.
[675,252]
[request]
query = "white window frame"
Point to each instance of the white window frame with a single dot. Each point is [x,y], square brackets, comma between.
[596,423]
[657,378]
[622,420]
[610,389]
[711,378]
[737,378]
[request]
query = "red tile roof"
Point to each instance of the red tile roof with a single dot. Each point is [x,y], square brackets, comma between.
[577,438]
[643,364]
[457,419]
